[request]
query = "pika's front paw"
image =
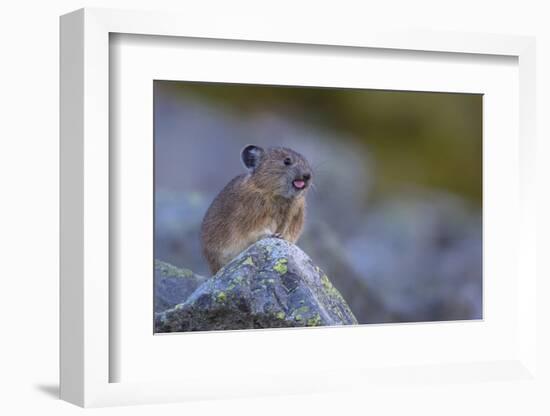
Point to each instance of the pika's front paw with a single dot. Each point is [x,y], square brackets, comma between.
[277,235]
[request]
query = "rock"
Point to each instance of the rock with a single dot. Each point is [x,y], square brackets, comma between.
[173,285]
[422,252]
[271,284]
[323,244]
[178,217]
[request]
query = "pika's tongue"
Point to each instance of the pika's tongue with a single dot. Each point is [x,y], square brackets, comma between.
[299,184]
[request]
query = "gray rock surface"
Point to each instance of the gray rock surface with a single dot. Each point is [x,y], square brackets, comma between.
[422,253]
[271,284]
[323,244]
[173,285]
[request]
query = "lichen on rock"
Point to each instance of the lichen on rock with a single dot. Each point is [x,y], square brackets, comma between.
[173,285]
[271,284]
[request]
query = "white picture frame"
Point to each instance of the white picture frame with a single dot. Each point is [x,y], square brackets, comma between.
[86,354]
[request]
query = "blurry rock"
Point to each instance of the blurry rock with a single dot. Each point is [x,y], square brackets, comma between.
[271,284]
[177,228]
[323,245]
[173,285]
[422,253]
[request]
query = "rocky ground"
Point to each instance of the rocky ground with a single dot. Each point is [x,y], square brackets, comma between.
[272,284]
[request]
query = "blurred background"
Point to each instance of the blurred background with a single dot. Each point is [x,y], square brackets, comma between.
[395,217]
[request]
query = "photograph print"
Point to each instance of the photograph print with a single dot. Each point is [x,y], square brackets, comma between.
[289,206]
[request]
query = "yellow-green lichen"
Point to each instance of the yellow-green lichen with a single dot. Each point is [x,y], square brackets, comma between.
[248,261]
[172,271]
[281,266]
[314,321]
[302,309]
[330,289]
[221,297]
[280,315]
[326,283]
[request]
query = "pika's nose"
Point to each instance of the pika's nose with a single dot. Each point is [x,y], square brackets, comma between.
[306,176]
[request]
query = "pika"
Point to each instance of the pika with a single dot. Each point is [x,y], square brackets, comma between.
[268,200]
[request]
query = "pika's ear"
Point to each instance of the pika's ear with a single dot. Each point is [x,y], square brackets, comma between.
[251,156]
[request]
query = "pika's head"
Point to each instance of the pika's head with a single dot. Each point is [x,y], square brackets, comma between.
[277,170]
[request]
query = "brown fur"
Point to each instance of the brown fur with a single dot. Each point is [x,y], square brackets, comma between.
[261,203]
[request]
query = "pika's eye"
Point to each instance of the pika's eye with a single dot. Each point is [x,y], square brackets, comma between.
[288,161]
